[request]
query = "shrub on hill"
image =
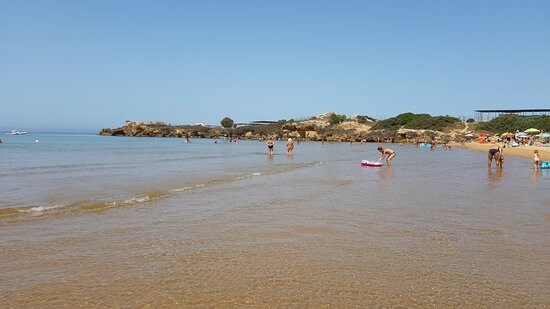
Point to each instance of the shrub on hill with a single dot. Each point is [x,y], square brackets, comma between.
[511,123]
[364,119]
[416,121]
[336,118]
[227,122]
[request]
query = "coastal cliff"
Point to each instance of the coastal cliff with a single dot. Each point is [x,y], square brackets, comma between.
[161,129]
[326,127]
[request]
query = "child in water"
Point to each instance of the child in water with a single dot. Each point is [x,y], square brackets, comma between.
[536,160]
[386,151]
[495,153]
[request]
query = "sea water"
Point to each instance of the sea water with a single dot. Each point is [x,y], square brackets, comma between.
[120,221]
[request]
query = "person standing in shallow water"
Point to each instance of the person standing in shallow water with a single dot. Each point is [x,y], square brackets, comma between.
[495,153]
[386,151]
[289,146]
[270,144]
[536,159]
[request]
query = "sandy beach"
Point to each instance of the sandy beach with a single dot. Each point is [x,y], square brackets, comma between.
[523,151]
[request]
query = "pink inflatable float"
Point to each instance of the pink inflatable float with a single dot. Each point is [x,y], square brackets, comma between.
[370,163]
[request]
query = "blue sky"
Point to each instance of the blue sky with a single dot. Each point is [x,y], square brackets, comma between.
[84,65]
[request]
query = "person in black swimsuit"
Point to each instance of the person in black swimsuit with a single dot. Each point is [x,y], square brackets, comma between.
[270,144]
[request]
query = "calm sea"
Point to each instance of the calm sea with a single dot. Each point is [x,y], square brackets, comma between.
[118,221]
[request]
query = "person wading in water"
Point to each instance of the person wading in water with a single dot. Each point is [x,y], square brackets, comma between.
[386,151]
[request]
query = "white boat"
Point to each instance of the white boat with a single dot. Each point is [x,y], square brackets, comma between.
[15,132]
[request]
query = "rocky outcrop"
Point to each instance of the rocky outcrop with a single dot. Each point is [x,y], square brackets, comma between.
[317,128]
[132,128]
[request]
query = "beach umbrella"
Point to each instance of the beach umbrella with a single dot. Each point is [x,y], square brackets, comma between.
[521,134]
[532,130]
[545,135]
[483,135]
[506,134]
[469,135]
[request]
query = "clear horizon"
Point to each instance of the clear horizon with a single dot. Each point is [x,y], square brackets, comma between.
[77,66]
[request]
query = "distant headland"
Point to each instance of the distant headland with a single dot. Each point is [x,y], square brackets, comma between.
[333,127]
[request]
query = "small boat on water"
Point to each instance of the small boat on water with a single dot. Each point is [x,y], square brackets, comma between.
[15,132]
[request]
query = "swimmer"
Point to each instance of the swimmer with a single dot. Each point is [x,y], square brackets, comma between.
[494,153]
[536,160]
[386,151]
[289,146]
[270,144]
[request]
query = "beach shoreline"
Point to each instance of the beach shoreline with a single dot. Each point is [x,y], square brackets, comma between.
[521,151]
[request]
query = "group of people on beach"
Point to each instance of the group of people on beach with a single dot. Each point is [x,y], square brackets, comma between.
[496,153]
[385,152]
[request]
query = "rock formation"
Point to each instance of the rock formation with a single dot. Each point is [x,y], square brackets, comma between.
[318,128]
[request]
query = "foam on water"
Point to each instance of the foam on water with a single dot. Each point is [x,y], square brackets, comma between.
[77,206]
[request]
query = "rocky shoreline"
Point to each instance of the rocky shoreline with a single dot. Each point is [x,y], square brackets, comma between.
[317,128]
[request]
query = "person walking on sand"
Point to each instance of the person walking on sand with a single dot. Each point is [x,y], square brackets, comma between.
[270,144]
[289,146]
[536,160]
[386,151]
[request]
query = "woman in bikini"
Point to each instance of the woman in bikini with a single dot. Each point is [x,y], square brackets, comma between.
[386,151]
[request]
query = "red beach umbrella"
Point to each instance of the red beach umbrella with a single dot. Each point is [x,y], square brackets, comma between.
[483,135]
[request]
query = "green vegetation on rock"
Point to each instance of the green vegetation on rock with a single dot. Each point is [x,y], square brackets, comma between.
[417,121]
[364,119]
[336,118]
[511,123]
[227,122]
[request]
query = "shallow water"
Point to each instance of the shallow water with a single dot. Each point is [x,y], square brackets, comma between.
[106,221]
